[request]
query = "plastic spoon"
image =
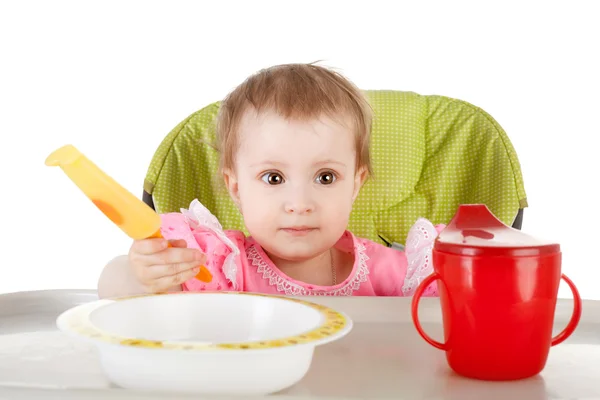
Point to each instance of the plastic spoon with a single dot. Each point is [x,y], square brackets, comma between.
[129,213]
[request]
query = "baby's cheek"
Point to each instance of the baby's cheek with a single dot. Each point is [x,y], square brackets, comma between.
[338,214]
[260,222]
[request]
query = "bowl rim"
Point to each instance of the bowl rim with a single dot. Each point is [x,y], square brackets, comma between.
[334,325]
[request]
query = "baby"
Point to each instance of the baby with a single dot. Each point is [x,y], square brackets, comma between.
[294,146]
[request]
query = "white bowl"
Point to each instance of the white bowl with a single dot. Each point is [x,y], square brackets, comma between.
[209,343]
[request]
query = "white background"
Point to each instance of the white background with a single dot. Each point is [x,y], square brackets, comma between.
[114,77]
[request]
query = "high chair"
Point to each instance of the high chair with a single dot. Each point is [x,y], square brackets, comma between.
[430,153]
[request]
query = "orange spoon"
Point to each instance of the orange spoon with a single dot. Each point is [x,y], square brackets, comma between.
[129,213]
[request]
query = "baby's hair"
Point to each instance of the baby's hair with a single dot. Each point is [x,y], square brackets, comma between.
[298,92]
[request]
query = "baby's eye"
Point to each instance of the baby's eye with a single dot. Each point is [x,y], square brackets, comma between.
[272,178]
[326,178]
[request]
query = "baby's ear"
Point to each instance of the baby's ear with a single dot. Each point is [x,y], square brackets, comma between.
[359,180]
[231,183]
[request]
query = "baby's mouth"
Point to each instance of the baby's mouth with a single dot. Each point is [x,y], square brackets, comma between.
[299,230]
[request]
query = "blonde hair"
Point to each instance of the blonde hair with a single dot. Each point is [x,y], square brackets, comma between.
[299,92]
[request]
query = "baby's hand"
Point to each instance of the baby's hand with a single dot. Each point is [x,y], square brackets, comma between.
[159,267]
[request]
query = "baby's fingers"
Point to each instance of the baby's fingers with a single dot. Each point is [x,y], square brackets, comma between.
[161,271]
[149,246]
[167,282]
[178,243]
[177,255]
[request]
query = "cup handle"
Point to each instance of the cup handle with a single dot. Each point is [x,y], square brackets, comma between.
[574,318]
[415,310]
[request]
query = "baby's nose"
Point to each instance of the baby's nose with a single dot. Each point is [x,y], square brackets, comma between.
[299,203]
[299,208]
[299,200]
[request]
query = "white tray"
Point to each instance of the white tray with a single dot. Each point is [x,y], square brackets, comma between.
[383,357]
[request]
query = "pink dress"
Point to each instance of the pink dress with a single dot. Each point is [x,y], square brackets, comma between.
[238,263]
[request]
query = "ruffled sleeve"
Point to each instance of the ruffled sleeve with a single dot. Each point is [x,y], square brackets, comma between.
[398,273]
[201,230]
[418,249]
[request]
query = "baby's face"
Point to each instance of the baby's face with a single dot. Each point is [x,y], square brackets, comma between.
[295,182]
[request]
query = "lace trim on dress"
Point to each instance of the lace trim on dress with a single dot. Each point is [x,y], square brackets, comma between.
[289,288]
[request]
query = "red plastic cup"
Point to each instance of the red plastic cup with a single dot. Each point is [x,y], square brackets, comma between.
[498,290]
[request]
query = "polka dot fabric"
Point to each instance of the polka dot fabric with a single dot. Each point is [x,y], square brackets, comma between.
[430,154]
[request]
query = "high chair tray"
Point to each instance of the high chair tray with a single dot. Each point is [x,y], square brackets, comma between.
[383,356]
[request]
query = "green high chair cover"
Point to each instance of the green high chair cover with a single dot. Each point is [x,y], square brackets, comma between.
[429,154]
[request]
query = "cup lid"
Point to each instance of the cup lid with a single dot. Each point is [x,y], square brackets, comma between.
[474,231]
